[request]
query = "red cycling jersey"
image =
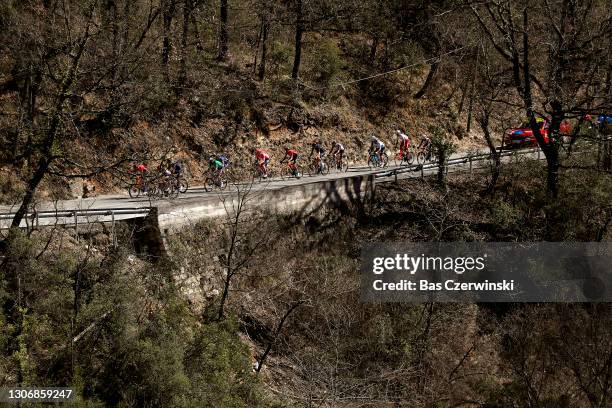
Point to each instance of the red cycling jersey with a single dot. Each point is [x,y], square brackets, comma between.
[261,155]
[292,153]
[141,168]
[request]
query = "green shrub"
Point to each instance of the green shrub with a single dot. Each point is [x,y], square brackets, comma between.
[219,366]
[278,57]
[326,61]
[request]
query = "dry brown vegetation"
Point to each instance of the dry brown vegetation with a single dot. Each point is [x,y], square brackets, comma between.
[334,350]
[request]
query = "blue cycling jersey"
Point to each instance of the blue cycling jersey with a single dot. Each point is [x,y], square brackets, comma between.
[224,160]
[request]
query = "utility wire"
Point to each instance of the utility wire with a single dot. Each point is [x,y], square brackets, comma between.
[354,81]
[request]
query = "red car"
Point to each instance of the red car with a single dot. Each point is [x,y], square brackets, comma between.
[523,136]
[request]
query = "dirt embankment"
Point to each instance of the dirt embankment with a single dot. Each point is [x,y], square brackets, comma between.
[191,134]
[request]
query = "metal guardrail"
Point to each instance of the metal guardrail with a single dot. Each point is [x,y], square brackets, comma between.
[80,213]
[34,216]
[453,162]
[31,219]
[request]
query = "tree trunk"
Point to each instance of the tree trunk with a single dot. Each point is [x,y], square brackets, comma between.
[168,15]
[428,81]
[196,32]
[373,49]
[299,31]
[468,126]
[29,96]
[46,153]
[484,125]
[116,39]
[223,32]
[442,167]
[126,25]
[464,92]
[552,176]
[226,286]
[550,151]
[279,327]
[182,80]
[264,50]
[606,156]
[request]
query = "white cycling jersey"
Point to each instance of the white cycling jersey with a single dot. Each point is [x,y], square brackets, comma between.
[402,136]
[339,147]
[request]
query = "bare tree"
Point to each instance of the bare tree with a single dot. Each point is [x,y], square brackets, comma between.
[564,68]
[46,153]
[276,333]
[243,239]
[299,32]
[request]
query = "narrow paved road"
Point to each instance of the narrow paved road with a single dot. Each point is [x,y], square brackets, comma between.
[121,206]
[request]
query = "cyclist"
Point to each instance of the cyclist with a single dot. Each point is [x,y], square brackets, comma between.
[337,151]
[263,159]
[164,167]
[176,168]
[223,159]
[291,155]
[425,146]
[404,142]
[317,148]
[165,174]
[140,168]
[377,146]
[215,166]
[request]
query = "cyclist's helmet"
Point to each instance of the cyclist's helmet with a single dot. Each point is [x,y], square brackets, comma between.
[286,148]
[374,138]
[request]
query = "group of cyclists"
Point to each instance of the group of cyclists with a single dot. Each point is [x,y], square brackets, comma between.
[168,175]
[337,152]
[219,163]
[405,143]
[317,152]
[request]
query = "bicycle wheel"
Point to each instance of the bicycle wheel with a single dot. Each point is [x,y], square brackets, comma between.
[183,186]
[174,189]
[155,192]
[313,170]
[256,176]
[420,158]
[269,174]
[324,168]
[384,160]
[409,158]
[134,191]
[287,173]
[222,183]
[209,184]
[344,166]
